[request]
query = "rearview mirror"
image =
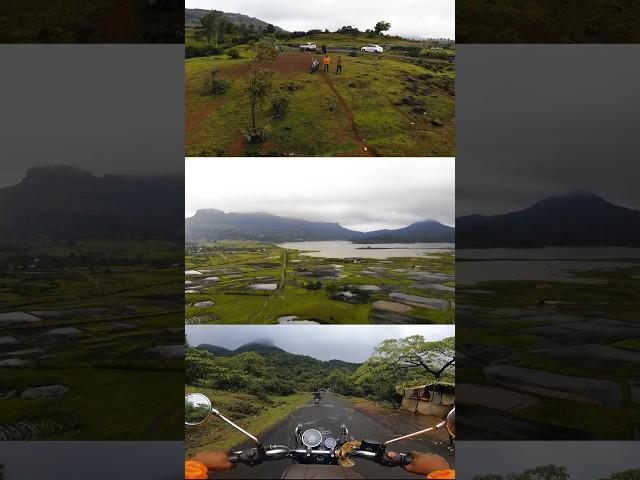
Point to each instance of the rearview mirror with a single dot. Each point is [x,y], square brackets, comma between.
[197,408]
[450,422]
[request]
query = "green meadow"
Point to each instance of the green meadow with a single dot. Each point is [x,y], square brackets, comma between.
[386,104]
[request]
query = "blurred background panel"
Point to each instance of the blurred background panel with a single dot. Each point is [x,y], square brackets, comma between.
[97,460]
[546,21]
[548,237]
[557,460]
[91,214]
[98,21]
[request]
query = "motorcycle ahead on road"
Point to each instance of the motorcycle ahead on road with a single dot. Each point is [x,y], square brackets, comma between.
[312,456]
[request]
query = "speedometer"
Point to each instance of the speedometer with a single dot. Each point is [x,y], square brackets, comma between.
[312,438]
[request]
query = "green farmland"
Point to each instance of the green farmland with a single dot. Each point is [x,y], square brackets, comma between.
[91,344]
[249,282]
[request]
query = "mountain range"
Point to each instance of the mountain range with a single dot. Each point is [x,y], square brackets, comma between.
[192,18]
[576,219]
[65,203]
[269,349]
[210,224]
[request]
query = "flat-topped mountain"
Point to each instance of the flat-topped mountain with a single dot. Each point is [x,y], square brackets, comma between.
[577,219]
[65,203]
[216,225]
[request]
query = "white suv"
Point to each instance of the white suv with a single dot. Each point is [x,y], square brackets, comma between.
[308,47]
[372,49]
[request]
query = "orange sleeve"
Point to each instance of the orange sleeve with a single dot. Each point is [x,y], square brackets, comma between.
[195,470]
[445,474]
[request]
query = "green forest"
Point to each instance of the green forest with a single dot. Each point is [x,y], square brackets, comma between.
[264,370]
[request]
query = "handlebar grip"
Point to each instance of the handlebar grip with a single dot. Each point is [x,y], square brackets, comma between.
[399,460]
[233,458]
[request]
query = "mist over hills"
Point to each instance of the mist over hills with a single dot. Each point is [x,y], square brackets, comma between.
[576,219]
[66,203]
[211,224]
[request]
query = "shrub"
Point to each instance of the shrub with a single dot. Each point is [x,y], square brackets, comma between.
[279,105]
[414,51]
[233,53]
[353,54]
[216,86]
[256,135]
[313,285]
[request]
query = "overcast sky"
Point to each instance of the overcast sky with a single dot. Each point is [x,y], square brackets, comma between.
[409,18]
[538,120]
[103,108]
[350,343]
[361,194]
[584,460]
[95,460]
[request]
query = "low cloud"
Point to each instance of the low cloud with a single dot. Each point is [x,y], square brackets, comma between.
[363,194]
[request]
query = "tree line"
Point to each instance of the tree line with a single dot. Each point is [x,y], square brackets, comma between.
[395,362]
[214,26]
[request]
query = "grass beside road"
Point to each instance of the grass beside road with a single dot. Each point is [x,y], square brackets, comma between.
[254,414]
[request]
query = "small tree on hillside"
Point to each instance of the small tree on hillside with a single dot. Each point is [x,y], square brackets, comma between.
[259,87]
[382,26]
[270,29]
[214,24]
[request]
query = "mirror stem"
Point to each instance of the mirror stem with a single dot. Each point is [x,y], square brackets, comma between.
[255,440]
[415,434]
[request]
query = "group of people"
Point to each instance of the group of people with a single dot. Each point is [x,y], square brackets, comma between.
[326,62]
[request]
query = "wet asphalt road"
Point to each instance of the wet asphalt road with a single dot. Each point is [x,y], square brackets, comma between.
[327,417]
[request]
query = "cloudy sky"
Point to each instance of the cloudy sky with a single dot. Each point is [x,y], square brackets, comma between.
[584,460]
[350,343]
[540,120]
[104,460]
[361,194]
[409,18]
[103,108]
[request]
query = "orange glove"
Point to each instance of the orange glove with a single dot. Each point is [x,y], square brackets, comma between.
[446,474]
[195,470]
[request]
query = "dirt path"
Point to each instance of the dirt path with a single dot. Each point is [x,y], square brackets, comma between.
[194,119]
[371,152]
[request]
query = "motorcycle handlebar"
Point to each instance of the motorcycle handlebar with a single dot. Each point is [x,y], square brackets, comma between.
[252,457]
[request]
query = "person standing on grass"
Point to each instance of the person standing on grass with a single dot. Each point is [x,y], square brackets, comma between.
[324,49]
[339,65]
[326,61]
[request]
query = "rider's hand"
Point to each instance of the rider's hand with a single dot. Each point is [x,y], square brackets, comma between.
[423,463]
[215,460]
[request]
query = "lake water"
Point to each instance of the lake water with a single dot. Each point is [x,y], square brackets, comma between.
[339,249]
[541,264]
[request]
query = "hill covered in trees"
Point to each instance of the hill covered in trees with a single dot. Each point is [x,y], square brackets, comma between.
[260,369]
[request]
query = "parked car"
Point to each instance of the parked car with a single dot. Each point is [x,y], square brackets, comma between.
[308,47]
[372,49]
